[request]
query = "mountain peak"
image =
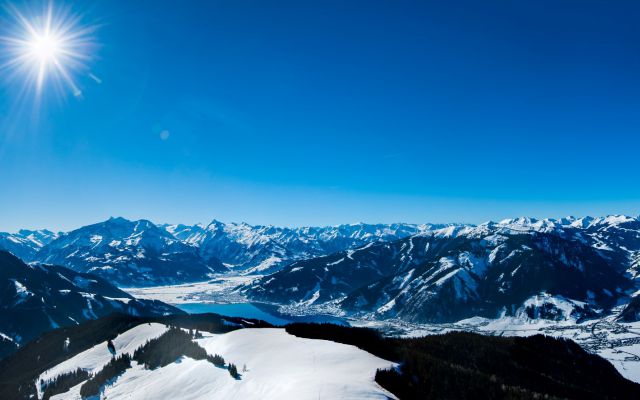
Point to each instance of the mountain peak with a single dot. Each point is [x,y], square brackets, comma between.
[117,219]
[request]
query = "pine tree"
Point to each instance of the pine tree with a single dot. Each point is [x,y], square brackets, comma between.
[233,371]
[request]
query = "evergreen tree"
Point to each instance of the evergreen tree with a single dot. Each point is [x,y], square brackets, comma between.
[62,383]
[233,371]
[115,367]
[216,360]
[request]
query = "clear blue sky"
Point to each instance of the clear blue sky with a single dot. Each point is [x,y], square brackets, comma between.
[322,112]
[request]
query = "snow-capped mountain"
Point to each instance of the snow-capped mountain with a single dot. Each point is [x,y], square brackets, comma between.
[129,253]
[266,249]
[140,253]
[558,269]
[35,298]
[26,243]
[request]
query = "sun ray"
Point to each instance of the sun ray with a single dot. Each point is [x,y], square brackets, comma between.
[52,46]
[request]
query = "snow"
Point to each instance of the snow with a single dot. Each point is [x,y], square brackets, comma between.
[270,262]
[617,342]
[566,306]
[283,366]
[6,337]
[618,219]
[385,308]
[14,239]
[313,295]
[445,278]
[278,366]
[447,232]
[22,293]
[335,262]
[82,282]
[406,278]
[221,290]
[95,358]
[494,253]
[620,359]
[124,300]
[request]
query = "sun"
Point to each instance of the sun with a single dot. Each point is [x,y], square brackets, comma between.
[45,48]
[48,47]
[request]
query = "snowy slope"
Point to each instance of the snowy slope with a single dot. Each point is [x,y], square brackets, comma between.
[278,366]
[284,366]
[98,356]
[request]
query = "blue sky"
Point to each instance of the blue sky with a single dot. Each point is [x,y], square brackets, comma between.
[321,112]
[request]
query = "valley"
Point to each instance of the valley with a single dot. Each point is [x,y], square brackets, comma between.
[616,341]
[571,279]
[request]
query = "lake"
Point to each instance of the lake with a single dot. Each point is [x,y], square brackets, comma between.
[265,312]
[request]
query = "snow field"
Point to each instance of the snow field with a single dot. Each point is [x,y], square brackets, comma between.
[278,366]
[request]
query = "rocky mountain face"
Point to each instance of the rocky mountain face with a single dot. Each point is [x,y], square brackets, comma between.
[36,298]
[555,269]
[265,249]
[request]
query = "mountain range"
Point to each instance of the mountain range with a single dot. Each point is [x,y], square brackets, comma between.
[26,243]
[550,268]
[554,269]
[140,253]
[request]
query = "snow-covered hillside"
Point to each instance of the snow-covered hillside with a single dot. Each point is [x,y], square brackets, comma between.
[272,363]
[98,356]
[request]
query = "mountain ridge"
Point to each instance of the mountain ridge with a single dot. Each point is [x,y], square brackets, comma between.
[38,298]
[573,267]
[141,253]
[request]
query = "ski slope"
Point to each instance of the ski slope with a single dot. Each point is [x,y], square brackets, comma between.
[273,365]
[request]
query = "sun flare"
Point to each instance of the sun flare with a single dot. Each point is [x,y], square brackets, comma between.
[50,47]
